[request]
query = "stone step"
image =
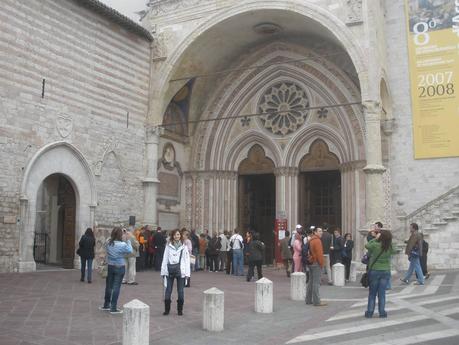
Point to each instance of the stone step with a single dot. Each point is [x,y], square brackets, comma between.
[439,223]
[430,229]
[450,218]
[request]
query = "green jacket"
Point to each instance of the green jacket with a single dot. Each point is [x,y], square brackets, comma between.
[383,263]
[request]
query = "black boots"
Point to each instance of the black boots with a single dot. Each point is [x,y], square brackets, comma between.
[180,307]
[167,306]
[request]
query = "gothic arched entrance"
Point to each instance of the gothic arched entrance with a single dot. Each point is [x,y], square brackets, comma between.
[320,187]
[54,239]
[257,197]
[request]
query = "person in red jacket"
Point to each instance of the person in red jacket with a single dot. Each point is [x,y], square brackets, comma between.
[316,258]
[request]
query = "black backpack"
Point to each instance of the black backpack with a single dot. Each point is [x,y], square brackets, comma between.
[306,254]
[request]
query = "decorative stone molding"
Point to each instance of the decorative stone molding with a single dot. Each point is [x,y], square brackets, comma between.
[109,146]
[286,171]
[160,7]
[153,133]
[372,107]
[388,126]
[353,12]
[286,101]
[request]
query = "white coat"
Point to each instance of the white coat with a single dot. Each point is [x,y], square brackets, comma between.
[172,256]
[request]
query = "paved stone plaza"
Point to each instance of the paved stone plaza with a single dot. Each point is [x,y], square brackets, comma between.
[54,307]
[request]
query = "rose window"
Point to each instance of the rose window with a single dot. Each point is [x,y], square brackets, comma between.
[285,105]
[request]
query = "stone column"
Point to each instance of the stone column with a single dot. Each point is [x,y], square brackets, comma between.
[374,169]
[151,182]
[298,286]
[287,193]
[136,323]
[213,310]
[264,296]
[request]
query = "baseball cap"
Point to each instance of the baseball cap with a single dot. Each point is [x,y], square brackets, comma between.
[298,226]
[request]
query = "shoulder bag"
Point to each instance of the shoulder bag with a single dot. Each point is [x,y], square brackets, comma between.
[174,269]
[365,281]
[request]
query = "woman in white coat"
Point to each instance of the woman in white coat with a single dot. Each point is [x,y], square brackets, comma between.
[175,265]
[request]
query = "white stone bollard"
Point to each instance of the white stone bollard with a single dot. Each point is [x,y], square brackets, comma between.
[353,271]
[213,310]
[338,274]
[298,286]
[264,296]
[136,323]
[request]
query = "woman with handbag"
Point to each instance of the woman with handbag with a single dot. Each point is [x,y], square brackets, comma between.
[86,253]
[380,250]
[175,265]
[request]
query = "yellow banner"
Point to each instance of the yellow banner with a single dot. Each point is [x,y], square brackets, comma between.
[433,44]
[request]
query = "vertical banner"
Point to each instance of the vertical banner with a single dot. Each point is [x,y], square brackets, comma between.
[433,44]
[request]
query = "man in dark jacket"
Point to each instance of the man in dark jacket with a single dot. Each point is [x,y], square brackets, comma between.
[326,243]
[286,253]
[336,248]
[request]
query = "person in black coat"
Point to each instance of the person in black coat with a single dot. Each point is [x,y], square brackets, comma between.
[346,254]
[86,253]
[254,252]
[160,245]
[336,247]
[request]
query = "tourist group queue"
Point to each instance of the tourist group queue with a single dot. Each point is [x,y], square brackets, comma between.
[312,250]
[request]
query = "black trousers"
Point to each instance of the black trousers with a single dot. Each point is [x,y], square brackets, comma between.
[251,273]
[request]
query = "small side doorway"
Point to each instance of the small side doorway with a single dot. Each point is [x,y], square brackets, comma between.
[55,226]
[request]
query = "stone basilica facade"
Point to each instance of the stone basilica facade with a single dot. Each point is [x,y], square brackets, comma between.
[213,115]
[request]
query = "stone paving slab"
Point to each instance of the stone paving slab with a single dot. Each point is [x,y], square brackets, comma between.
[56,308]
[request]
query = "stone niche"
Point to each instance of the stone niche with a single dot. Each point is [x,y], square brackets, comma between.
[170,176]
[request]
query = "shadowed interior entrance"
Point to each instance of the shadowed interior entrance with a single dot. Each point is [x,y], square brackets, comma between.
[54,240]
[257,198]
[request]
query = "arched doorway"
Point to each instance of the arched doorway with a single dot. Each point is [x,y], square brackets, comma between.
[54,239]
[62,162]
[257,197]
[320,187]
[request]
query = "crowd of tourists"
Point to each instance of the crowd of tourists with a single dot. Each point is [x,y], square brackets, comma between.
[312,250]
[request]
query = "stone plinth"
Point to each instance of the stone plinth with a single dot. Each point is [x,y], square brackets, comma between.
[298,286]
[264,296]
[213,310]
[338,274]
[136,323]
[353,271]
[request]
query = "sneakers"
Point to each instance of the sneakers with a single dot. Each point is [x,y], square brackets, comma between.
[321,304]
[406,281]
[104,308]
[133,283]
[418,283]
[117,311]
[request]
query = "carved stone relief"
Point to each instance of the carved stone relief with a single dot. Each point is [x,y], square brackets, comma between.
[319,157]
[110,145]
[354,12]
[256,162]
[64,125]
[159,7]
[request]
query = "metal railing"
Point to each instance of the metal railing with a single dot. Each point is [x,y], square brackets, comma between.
[40,247]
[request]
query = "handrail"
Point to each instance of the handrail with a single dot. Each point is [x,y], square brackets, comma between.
[430,203]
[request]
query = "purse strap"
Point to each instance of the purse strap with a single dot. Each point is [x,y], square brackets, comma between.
[369,268]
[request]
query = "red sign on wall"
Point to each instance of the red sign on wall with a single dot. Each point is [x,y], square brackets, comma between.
[280,226]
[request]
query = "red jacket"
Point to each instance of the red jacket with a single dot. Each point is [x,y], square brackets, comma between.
[316,249]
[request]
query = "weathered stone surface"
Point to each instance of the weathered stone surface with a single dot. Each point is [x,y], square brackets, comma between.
[264,296]
[298,286]
[136,323]
[213,310]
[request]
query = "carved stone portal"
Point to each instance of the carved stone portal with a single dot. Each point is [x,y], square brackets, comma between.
[319,158]
[256,162]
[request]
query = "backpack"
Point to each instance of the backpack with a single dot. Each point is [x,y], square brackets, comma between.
[306,257]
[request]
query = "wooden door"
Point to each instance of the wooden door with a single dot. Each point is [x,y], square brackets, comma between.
[320,198]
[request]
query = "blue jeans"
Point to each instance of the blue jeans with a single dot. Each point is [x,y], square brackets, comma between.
[238,262]
[113,285]
[83,268]
[415,265]
[170,285]
[378,283]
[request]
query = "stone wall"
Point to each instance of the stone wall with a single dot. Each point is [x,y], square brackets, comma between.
[95,97]
[414,182]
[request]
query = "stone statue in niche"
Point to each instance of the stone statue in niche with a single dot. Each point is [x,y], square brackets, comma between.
[169,156]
